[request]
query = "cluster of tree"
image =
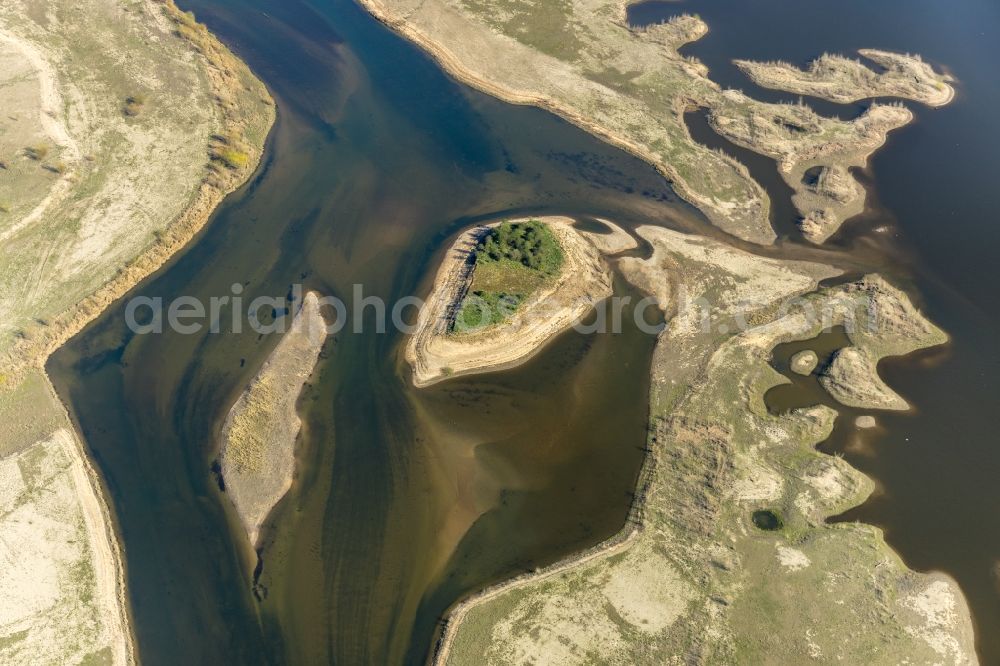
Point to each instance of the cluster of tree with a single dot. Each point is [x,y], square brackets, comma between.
[530,244]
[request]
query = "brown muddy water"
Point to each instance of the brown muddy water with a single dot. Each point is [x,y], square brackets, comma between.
[407,500]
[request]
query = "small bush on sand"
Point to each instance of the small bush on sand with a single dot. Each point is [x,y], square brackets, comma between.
[232,158]
[37,152]
[134,104]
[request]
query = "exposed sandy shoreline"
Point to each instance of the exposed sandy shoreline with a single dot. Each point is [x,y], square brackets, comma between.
[106,549]
[259,435]
[454,66]
[840,79]
[435,354]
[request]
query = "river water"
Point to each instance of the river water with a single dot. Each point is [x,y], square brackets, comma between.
[407,500]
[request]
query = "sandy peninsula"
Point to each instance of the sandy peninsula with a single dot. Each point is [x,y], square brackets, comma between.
[841,79]
[258,438]
[435,352]
[105,172]
[732,498]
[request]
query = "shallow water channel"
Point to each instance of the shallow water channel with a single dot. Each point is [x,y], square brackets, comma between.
[407,499]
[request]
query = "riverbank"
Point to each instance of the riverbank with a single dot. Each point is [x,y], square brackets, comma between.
[123,168]
[257,456]
[65,581]
[435,352]
[236,114]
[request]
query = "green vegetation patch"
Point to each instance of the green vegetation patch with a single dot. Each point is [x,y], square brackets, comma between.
[511,262]
[481,309]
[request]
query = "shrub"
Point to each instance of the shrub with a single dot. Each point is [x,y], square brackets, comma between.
[530,244]
[37,152]
[483,308]
[232,158]
[4,207]
[133,104]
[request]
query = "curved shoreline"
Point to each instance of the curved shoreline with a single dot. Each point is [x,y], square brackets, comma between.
[225,75]
[257,455]
[223,72]
[105,521]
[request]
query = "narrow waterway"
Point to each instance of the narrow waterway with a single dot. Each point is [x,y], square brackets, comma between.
[407,500]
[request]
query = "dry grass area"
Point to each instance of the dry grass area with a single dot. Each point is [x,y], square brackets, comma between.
[631,87]
[841,79]
[124,124]
[435,353]
[693,579]
[258,438]
[96,197]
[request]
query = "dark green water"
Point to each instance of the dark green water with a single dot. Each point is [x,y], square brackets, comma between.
[407,500]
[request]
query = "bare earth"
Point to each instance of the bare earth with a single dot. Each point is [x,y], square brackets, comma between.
[116,117]
[692,579]
[436,354]
[258,438]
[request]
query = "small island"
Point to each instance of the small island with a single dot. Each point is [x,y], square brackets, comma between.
[258,438]
[502,292]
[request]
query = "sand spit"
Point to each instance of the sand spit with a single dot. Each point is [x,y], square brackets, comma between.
[691,574]
[844,80]
[615,242]
[435,354]
[852,379]
[892,327]
[815,165]
[258,439]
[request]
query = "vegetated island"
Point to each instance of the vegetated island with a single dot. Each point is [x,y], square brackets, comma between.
[257,455]
[105,172]
[631,87]
[502,292]
[841,79]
